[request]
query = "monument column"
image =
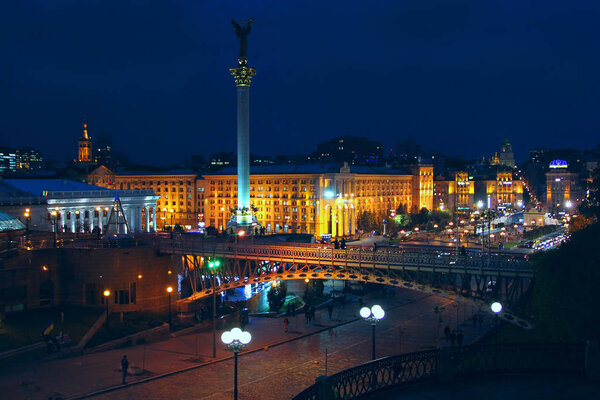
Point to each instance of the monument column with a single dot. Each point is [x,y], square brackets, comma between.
[243,218]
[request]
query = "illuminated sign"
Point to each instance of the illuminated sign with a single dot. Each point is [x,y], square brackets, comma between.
[558,164]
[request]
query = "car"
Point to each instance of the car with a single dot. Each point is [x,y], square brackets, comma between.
[491,285]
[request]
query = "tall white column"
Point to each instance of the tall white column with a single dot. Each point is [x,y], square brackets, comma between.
[132,225]
[73,217]
[147,219]
[91,218]
[63,217]
[154,219]
[100,215]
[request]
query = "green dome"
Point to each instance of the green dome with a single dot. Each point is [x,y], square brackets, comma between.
[9,223]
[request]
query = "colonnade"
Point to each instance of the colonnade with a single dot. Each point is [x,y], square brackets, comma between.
[85,219]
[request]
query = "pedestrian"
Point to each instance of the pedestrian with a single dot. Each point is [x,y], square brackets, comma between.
[452,338]
[306,314]
[293,309]
[286,323]
[480,321]
[124,366]
[447,333]
[336,244]
[459,338]
[312,314]
[343,244]
[330,309]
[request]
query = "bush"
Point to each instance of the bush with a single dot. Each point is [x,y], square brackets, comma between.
[276,296]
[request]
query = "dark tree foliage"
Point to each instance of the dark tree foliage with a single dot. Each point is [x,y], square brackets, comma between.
[566,294]
[276,296]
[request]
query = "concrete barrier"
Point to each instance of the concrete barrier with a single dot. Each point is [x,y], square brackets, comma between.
[149,335]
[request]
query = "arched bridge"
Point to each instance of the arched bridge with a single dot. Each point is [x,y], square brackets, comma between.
[437,271]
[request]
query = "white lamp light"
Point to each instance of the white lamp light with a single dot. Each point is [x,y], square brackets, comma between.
[365,312]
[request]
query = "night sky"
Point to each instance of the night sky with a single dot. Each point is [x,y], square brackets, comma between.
[154,74]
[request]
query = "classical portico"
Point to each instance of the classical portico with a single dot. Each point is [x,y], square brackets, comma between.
[82,211]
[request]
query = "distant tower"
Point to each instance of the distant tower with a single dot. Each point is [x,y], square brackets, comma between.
[85,146]
[243,217]
[507,158]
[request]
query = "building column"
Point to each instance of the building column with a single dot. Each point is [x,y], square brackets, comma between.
[154,219]
[132,226]
[62,219]
[147,219]
[100,214]
[73,218]
[91,219]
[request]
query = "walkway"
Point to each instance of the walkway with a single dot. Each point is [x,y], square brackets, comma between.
[276,373]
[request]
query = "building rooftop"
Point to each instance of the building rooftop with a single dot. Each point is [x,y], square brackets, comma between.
[9,223]
[36,187]
[308,169]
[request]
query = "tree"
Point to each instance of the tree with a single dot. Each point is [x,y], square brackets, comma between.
[366,221]
[276,296]
[591,206]
[566,291]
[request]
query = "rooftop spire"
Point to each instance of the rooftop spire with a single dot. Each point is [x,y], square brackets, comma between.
[85,134]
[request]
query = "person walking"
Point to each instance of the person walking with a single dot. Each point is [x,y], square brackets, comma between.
[330,310]
[446,333]
[124,366]
[293,309]
[480,321]
[307,314]
[343,243]
[286,323]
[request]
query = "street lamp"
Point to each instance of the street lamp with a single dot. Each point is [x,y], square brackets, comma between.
[212,265]
[27,216]
[373,316]
[235,340]
[169,290]
[106,294]
[54,214]
[496,308]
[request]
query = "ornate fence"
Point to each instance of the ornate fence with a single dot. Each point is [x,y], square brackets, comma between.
[444,364]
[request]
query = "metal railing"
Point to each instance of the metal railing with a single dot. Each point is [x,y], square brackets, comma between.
[416,259]
[445,364]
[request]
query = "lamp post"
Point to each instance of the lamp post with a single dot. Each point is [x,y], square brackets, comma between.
[169,290]
[213,264]
[373,316]
[171,212]
[496,308]
[27,216]
[235,340]
[106,294]
[54,214]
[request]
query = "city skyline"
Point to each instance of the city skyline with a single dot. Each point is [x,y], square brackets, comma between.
[155,77]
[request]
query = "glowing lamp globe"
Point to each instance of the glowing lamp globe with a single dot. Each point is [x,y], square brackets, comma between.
[236,333]
[377,312]
[245,337]
[496,307]
[365,312]
[227,337]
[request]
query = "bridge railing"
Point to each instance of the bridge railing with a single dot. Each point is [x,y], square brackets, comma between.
[445,364]
[313,253]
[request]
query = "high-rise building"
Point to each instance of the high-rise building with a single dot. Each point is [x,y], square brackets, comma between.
[28,158]
[8,160]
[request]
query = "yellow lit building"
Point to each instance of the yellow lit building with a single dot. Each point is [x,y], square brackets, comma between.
[311,199]
[465,191]
[179,202]
[564,190]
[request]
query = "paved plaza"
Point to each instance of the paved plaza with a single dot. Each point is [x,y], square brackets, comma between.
[275,366]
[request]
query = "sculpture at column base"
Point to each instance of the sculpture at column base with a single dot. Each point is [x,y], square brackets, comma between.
[243,220]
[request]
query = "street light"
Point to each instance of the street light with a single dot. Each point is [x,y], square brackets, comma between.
[212,265]
[373,316]
[169,290]
[106,294]
[27,216]
[496,308]
[54,214]
[235,340]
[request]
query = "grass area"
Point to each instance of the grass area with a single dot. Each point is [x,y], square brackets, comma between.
[22,329]
[133,322]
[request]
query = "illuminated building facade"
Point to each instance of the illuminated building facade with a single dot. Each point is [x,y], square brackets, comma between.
[315,199]
[564,189]
[466,192]
[177,202]
[84,154]
[8,160]
[69,206]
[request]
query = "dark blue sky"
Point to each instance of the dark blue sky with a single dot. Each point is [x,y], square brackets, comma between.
[154,74]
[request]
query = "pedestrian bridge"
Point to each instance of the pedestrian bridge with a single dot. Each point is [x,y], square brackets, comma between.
[505,277]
